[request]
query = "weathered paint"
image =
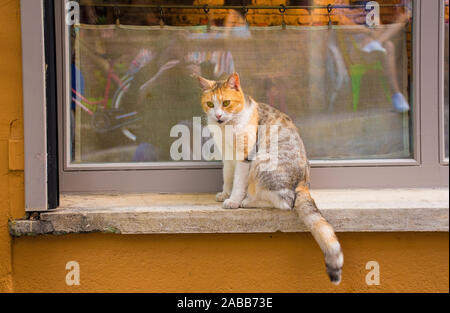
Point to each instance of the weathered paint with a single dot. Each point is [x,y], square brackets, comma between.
[239,262]
[11,132]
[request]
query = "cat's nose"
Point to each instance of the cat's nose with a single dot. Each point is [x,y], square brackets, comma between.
[218,116]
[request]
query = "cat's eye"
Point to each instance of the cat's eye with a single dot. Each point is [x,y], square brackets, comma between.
[226,103]
[210,104]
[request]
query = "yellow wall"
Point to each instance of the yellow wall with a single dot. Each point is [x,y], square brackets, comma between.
[244,262]
[11,132]
[229,263]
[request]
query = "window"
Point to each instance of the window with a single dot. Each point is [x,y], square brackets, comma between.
[346,87]
[445,109]
[355,77]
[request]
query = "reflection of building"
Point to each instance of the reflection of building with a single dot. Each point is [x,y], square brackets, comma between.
[182,17]
[276,65]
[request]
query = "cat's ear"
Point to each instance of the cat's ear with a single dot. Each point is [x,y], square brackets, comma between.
[205,84]
[233,81]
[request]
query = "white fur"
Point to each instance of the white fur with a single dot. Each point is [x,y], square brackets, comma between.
[248,202]
[235,173]
[311,219]
[240,184]
[228,175]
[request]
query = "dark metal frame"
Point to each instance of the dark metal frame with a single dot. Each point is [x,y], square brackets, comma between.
[51,104]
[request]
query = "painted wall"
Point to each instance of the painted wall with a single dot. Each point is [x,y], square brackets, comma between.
[239,262]
[11,132]
[229,263]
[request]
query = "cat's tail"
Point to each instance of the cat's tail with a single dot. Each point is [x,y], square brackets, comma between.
[322,232]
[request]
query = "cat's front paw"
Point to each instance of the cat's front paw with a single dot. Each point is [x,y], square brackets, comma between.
[231,204]
[222,196]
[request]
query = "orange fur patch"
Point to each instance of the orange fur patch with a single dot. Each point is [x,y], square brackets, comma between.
[222,94]
[325,230]
[302,188]
[251,190]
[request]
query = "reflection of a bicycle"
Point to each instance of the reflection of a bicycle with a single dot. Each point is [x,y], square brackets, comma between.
[106,117]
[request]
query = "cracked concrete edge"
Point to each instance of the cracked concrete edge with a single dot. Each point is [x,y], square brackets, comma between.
[19,228]
[224,221]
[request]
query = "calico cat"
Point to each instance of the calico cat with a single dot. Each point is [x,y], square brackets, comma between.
[249,182]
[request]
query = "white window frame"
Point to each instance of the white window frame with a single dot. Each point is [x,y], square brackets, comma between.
[34,102]
[442,157]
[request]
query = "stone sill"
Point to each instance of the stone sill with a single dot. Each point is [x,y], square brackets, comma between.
[356,210]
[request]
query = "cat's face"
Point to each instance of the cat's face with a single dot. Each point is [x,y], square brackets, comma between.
[222,100]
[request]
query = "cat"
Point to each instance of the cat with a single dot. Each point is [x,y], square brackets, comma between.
[249,182]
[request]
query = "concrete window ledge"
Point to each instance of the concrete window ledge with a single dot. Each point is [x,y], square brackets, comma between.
[358,210]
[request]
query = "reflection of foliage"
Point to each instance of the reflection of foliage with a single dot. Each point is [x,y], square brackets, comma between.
[91,107]
[100,78]
[101,20]
[95,107]
[120,67]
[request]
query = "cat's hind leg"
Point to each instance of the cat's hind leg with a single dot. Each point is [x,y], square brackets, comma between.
[263,198]
[252,199]
[280,199]
[250,202]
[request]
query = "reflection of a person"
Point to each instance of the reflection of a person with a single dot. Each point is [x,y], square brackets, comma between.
[236,24]
[164,93]
[220,61]
[379,40]
[275,95]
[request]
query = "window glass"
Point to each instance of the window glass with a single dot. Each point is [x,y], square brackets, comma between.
[343,76]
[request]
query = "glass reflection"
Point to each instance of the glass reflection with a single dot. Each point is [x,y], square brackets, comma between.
[344,81]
